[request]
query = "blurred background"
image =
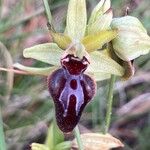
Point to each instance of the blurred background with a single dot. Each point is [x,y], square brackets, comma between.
[27,108]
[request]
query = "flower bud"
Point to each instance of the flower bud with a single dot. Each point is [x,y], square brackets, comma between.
[132,40]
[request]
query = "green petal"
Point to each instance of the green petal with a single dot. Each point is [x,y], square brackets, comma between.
[96,41]
[101,63]
[49,53]
[35,71]
[62,40]
[76,19]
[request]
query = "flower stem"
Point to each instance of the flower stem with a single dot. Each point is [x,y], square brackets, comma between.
[77,135]
[48,12]
[2,137]
[109,103]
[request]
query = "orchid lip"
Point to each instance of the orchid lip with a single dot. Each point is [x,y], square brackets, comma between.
[71,90]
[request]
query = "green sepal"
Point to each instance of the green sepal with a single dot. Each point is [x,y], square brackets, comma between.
[99,76]
[49,53]
[35,71]
[101,63]
[76,19]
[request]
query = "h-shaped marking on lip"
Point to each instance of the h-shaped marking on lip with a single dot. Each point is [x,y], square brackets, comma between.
[68,91]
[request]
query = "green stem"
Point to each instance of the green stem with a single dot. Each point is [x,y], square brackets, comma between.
[77,135]
[2,137]
[109,103]
[48,12]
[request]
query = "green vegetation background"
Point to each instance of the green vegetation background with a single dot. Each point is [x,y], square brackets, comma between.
[28,109]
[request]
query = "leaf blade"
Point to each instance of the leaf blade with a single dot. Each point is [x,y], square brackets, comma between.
[96,141]
[2,136]
[37,146]
[54,137]
[63,146]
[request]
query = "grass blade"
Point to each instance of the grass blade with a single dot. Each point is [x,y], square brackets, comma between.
[2,137]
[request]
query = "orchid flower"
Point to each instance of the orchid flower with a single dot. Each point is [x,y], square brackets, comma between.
[80,56]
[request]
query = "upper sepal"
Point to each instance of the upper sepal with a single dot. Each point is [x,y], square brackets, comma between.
[76,19]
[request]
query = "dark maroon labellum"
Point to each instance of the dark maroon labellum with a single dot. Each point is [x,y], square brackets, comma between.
[71,90]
